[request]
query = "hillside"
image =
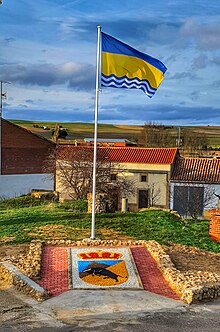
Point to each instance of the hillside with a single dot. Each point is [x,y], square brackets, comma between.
[79,130]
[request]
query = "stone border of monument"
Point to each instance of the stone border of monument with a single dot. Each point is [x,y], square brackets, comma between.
[192,287]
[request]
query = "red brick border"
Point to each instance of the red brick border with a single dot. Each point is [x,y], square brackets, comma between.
[54,273]
[214,228]
[151,277]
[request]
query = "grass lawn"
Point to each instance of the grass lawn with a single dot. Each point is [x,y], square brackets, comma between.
[65,221]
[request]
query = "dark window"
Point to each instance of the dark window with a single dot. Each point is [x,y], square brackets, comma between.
[142,199]
[143,178]
[113,177]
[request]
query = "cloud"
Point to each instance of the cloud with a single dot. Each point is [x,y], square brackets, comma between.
[182,75]
[9,40]
[76,76]
[200,62]
[195,95]
[22,106]
[216,60]
[161,114]
[216,84]
[177,33]
[205,36]
[164,114]
[29,101]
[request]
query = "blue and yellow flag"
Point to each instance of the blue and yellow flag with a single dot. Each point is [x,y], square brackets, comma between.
[125,67]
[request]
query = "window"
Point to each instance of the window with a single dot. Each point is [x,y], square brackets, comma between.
[113,177]
[143,178]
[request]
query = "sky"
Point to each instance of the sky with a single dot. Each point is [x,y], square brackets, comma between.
[48,53]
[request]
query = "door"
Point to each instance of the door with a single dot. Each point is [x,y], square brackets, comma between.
[142,199]
[189,200]
[180,200]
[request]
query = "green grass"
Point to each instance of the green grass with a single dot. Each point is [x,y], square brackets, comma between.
[67,221]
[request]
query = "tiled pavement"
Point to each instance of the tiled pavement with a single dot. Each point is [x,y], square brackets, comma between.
[55,272]
[151,277]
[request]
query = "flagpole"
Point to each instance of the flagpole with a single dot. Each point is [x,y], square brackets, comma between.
[98,68]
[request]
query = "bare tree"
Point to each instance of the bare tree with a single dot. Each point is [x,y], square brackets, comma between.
[154,194]
[160,136]
[74,171]
[193,141]
[155,135]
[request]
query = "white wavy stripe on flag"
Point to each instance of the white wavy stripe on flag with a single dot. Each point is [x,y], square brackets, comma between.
[112,78]
[129,85]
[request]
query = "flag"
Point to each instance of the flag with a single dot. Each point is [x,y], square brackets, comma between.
[125,67]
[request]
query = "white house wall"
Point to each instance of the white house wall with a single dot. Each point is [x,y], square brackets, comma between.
[16,185]
[158,180]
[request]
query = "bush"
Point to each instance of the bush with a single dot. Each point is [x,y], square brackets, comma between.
[20,202]
[80,205]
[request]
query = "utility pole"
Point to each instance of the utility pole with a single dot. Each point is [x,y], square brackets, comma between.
[178,140]
[2,95]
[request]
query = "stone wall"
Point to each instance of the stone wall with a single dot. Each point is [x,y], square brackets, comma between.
[100,203]
[191,286]
[29,264]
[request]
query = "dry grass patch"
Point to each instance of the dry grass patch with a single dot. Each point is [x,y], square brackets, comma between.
[187,258]
[6,239]
[62,232]
[57,232]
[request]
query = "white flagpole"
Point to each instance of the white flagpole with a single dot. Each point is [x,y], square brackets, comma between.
[98,68]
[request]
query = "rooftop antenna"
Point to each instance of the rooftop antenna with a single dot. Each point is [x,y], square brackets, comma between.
[2,95]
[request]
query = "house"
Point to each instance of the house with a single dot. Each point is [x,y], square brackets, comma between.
[195,185]
[109,142]
[149,168]
[23,154]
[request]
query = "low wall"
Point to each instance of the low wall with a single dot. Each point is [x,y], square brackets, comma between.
[21,271]
[191,286]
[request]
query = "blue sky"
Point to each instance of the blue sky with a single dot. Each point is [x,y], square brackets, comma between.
[48,53]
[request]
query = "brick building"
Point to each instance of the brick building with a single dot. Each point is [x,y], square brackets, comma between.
[22,159]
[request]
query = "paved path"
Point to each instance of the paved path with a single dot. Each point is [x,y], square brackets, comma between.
[105,311]
[55,272]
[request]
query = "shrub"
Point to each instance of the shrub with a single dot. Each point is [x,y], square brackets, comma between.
[20,202]
[80,205]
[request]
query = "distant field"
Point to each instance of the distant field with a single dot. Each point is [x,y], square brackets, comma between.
[80,130]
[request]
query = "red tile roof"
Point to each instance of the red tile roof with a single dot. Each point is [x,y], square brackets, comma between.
[203,170]
[121,154]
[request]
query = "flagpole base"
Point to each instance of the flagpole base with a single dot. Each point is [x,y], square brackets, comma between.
[91,241]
